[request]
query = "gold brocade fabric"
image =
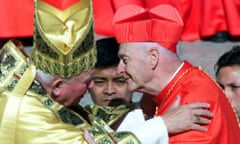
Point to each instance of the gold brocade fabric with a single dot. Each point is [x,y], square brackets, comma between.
[107,114]
[63,38]
[34,118]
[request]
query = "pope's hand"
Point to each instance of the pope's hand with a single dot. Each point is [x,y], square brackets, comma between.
[194,116]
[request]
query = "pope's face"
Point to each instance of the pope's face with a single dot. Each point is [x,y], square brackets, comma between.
[229,79]
[108,84]
[71,92]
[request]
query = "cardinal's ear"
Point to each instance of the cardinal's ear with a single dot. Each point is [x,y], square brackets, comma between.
[153,56]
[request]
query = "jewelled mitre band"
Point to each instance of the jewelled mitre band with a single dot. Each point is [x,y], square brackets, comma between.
[63,37]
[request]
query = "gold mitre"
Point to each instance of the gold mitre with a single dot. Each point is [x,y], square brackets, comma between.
[63,37]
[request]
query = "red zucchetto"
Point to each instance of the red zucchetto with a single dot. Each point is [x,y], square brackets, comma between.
[162,24]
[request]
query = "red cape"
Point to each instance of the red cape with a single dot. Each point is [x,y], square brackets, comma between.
[194,85]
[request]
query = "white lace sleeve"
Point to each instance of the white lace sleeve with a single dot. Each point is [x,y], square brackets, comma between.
[152,131]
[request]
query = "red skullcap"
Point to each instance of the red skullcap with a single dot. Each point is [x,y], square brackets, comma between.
[162,24]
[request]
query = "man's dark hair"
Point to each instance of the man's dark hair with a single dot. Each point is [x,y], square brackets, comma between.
[107,53]
[229,58]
